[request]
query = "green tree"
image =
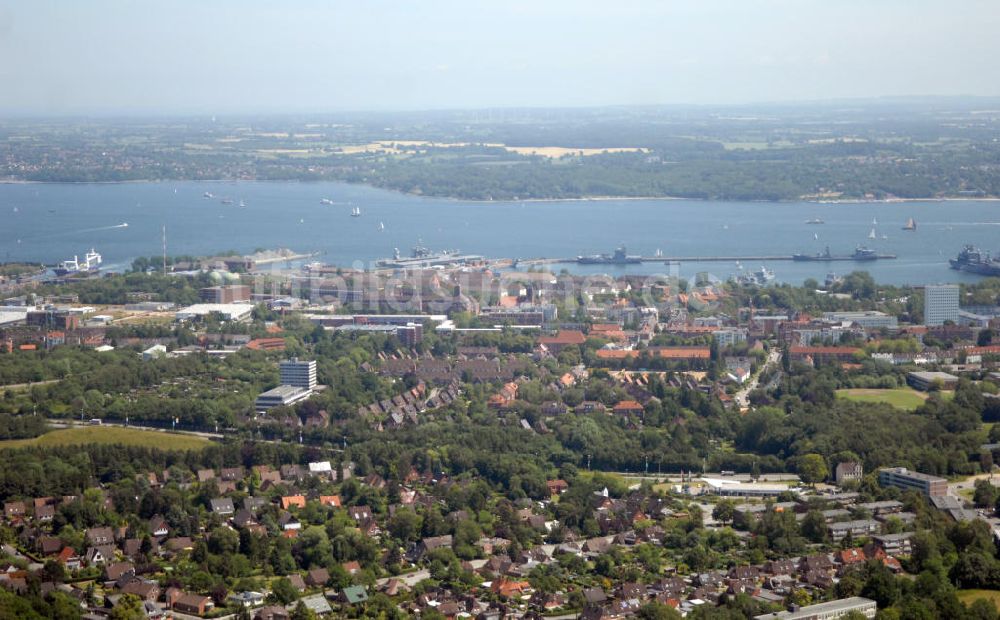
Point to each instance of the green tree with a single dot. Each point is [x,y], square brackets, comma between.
[724,511]
[129,607]
[283,591]
[812,468]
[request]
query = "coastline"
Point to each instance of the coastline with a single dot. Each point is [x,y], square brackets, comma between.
[600,198]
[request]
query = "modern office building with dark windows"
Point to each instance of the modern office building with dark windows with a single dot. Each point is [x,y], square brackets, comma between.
[902,478]
[298,373]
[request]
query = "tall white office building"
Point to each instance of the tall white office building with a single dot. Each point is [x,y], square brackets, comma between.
[940,304]
[298,373]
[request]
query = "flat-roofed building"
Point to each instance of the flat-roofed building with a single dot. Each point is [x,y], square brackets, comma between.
[299,373]
[827,611]
[902,478]
[281,395]
[228,294]
[940,304]
[924,380]
[870,319]
[227,312]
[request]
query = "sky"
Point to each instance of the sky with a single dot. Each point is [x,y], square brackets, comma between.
[67,57]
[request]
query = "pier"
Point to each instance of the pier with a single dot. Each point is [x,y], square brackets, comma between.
[711,259]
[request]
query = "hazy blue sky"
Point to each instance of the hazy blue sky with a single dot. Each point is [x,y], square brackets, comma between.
[205,56]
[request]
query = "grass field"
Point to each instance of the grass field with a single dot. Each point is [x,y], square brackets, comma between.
[967,596]
[901,398]
[110,435]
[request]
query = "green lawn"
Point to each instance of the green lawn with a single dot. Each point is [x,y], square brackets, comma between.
[110,435]
[901,398]
[967,596]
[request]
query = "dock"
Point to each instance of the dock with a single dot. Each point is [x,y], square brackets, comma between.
[708,259]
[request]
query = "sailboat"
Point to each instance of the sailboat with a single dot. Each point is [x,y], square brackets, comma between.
[381,226]
[243,204]
[816,236]
[356,212]
[911,224]
[874,222]
[871,235]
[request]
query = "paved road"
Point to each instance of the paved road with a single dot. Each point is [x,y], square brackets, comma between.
[743,396]
[66,423]
[22,386]
[410,579]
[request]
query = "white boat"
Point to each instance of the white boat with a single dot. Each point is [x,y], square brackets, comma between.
[123,225]
[874,222]
[381,226]
[872,235]
[242,204]
[815,236]
[885,236]
[356,212]
[208,195]
[325,201]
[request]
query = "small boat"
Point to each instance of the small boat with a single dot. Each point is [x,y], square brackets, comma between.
[911,224]
[816,236]
[874,222]
[242,204]
[381,226]
[208,195]
[227,201]
[123,225]
[872,235]
[325,201]
[815,220]
[885,236]
[356,212]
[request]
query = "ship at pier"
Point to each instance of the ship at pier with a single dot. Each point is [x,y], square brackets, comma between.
[861,253]
[91,263]
[620,257]
[972,260]
[421,257]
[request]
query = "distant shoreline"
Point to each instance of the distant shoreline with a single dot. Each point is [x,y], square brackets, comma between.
[841,201]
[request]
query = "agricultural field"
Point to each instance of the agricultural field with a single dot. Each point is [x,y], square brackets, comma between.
[110,435]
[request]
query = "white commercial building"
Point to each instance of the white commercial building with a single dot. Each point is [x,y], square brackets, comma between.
[281,395]
[227,312]
[940,304]
[830,610]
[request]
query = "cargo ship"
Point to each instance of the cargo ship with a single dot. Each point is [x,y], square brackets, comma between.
[972,260]
[620,257]
[861,253]
[91,263]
